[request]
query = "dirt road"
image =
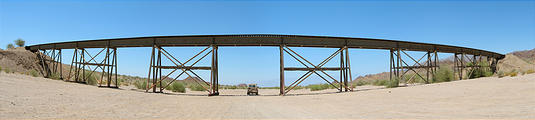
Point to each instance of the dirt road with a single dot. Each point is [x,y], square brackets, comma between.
[30,97]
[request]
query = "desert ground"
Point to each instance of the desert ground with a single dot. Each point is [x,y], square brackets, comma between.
[26,97]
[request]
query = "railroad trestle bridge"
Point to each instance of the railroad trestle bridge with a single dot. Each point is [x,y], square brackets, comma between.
[85,64]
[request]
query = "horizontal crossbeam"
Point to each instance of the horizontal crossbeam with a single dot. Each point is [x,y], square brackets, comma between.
[94,64]
[184,67]
[414,67]
[312,69]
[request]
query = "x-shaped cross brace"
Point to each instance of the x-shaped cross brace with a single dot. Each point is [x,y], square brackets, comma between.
[316,68]
[182,67]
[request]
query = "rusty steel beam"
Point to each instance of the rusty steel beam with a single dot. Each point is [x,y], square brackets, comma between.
[314,69]
[400,65]
[264,40]
[342,81]
[185,67]
[155,69]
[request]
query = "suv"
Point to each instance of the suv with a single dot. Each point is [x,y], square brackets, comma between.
[252,89]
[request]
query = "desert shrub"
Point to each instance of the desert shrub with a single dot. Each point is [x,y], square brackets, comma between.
[480,72]
[442,75]
[299,87]
[7,70]
[381,82]
[196,87]
[9,46]
[231,87]
[119,81]
[90,79]
[316,87]
[163,83]
[54,76]
[513,74]
[19,42]
[361,83]
[34,73]
[393,83]
[269,87]
[501,74]
[177,87]
[141,84]
[530,71]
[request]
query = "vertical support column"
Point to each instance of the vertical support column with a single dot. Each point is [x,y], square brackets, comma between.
[462,66]
[108,72]
[155,71]
[216,69]
[281,70]
[455,65]
[391,62]
[348,68]
[150,69]
[399,69]
[494,64]
[427,69]
[53,62]
[115,66]
[159,69]
[214,87]
[437,63]
[75,58]
[82,59]
[341,70]
[60,65]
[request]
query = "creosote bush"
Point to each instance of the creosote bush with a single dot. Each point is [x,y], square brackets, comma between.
[54,76]
[512,73]
[177,87]
[501,74]
[316,87]
[269,87]
[480,72]
[196,87]
[392,84]
[90,79]
[442,75]
[530,71]
[34,73]
[380,82]
[361,83]
[7,70]
[141,84]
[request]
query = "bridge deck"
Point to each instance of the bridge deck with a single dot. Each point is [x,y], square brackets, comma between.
[264,40]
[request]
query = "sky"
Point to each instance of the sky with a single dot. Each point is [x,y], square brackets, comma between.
[498,26]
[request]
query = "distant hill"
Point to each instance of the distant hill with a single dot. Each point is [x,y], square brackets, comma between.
[526,55]
[519,61]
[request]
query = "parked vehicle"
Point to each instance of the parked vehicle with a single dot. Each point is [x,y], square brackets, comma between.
[252,89]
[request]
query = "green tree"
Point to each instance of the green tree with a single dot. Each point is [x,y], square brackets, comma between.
[9,46]
[19,42]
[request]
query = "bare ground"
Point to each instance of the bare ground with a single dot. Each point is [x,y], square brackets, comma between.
[26,97]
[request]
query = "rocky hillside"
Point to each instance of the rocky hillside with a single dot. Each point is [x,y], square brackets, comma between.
[22,61]
[19,60]
[526,55]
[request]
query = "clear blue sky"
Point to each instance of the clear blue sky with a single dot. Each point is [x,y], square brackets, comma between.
[500,26]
